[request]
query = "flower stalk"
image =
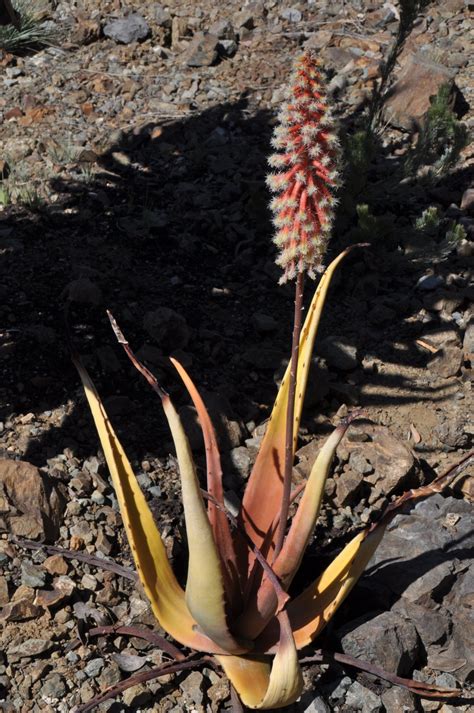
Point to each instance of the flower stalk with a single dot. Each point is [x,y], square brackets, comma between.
[290,416]
[305,181]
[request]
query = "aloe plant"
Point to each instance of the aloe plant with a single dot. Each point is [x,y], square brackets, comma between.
[235,607]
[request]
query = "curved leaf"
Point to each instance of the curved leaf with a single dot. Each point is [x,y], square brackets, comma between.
[160,585]
[262,499]
[316,605]
[217,517]
[262,603]
[205,594]
[260,685]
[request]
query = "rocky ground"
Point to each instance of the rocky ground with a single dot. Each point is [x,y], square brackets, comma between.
[133,157]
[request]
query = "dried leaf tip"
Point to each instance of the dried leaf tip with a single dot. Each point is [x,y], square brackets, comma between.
[305,174]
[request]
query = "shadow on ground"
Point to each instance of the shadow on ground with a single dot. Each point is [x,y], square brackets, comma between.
[175,216]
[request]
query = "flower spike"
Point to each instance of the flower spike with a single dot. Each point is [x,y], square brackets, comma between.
[306,175]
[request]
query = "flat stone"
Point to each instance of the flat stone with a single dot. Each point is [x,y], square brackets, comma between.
[447,362]
[432,625]
[222,29]
[242,461]
[62,589]
[202,51]
[31,575]
[348,486]
[94,667]
[429,282]
[136,696]
[29,649]
[20,610]
[54,687]
[132,28]
[412,559]
[192,687]
[409,100]
[398,700]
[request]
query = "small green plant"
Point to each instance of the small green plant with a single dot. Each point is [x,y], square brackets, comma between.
[235,607]
[455,234]
[428,222]
[31,32]
[441,138]
[358,151]
[30,198]
[5,197]
[371,228]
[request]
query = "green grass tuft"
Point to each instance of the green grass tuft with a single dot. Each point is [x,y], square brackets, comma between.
[441,138]
[33,32]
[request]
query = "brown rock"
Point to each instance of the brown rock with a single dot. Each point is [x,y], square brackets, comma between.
[447,361]
[3,591]
[392,461]
[348,486]
[202,51]
[20,610]
[56,564]
[86,31]
[467,202]
[409,99]
[36,504]
[76,543]
[62,589]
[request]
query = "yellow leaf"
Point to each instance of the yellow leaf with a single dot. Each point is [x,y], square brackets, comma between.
[262,686]
[262,499]
[217,517]
[262,603]
[205,594]
[160,585]
[316,605]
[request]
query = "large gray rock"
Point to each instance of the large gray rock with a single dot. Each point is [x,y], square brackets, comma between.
[424,562]
[385,640]
[132,28]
